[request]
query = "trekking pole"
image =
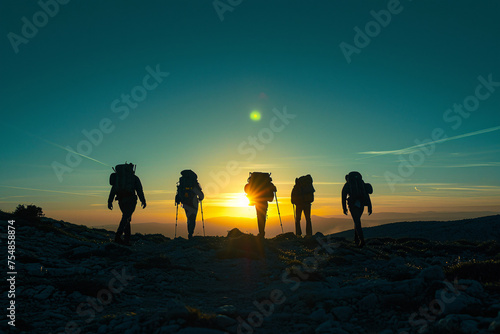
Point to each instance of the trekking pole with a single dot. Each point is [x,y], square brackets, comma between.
[279,215]
[294,218]
[176,212]
[202,220]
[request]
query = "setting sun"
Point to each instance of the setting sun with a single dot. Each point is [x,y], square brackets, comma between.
[237,200]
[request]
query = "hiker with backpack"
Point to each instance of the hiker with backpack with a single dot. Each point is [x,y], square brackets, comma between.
[357,195]
[125,187]
[260,190]
[302,197]
[189,193]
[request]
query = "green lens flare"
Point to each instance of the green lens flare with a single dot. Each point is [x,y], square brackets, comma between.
[255,115]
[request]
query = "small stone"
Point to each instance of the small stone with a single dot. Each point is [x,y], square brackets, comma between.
[368,302]
[168,329]
[227,310]
[318,315]
[45,293]
[450,324]
[343,313]
[224,321]
[198,330]
[434,273]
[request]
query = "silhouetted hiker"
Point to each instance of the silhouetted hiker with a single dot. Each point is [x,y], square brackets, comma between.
[189,194]
[302,197]
[359,197]
[125,184]
[260,190]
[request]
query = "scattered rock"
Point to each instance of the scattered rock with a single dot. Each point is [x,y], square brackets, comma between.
[46,293]
[434,273]
[229,310]
[177,286]
[368,303]
[343,313]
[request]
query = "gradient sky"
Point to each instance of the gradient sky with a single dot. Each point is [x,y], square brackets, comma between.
[364,114]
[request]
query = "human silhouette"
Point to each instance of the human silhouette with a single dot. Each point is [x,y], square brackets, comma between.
[189,193]
[126,186]
[302,197]
[260,190]
[356,193]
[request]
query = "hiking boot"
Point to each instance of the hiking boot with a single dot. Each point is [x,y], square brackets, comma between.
[361,244]
[190,236]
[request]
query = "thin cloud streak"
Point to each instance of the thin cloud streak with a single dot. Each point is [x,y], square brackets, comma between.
[50,191]
[55,145]
[411,149]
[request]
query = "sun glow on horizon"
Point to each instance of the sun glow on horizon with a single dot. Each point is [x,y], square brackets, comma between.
[236,200]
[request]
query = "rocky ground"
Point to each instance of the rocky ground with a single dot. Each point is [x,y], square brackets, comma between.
[72,279]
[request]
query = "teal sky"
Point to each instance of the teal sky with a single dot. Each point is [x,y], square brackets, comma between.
[263,55]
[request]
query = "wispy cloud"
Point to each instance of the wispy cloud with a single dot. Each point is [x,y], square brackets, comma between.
[56,145]
[486,164]
[470,188]
[414,148]
[471,165]
[51,191]
[264,167]
[160,192]
[473,153]
[74,152]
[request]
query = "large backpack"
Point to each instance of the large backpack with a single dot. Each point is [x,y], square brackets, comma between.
[124,180]
[358,189]
[187,182]
[260,187]
[303,190]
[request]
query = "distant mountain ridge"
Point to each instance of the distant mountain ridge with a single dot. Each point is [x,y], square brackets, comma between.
[326,225]
[476,229]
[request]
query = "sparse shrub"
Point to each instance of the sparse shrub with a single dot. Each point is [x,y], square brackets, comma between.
[30,211]
[197,318]
[83,285]
[337,260]
[154,262]
[27,259]
[482,271]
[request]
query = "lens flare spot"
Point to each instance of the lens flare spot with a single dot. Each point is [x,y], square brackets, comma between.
[255,115]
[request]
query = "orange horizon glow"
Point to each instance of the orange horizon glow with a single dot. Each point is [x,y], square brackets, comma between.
[236,205]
